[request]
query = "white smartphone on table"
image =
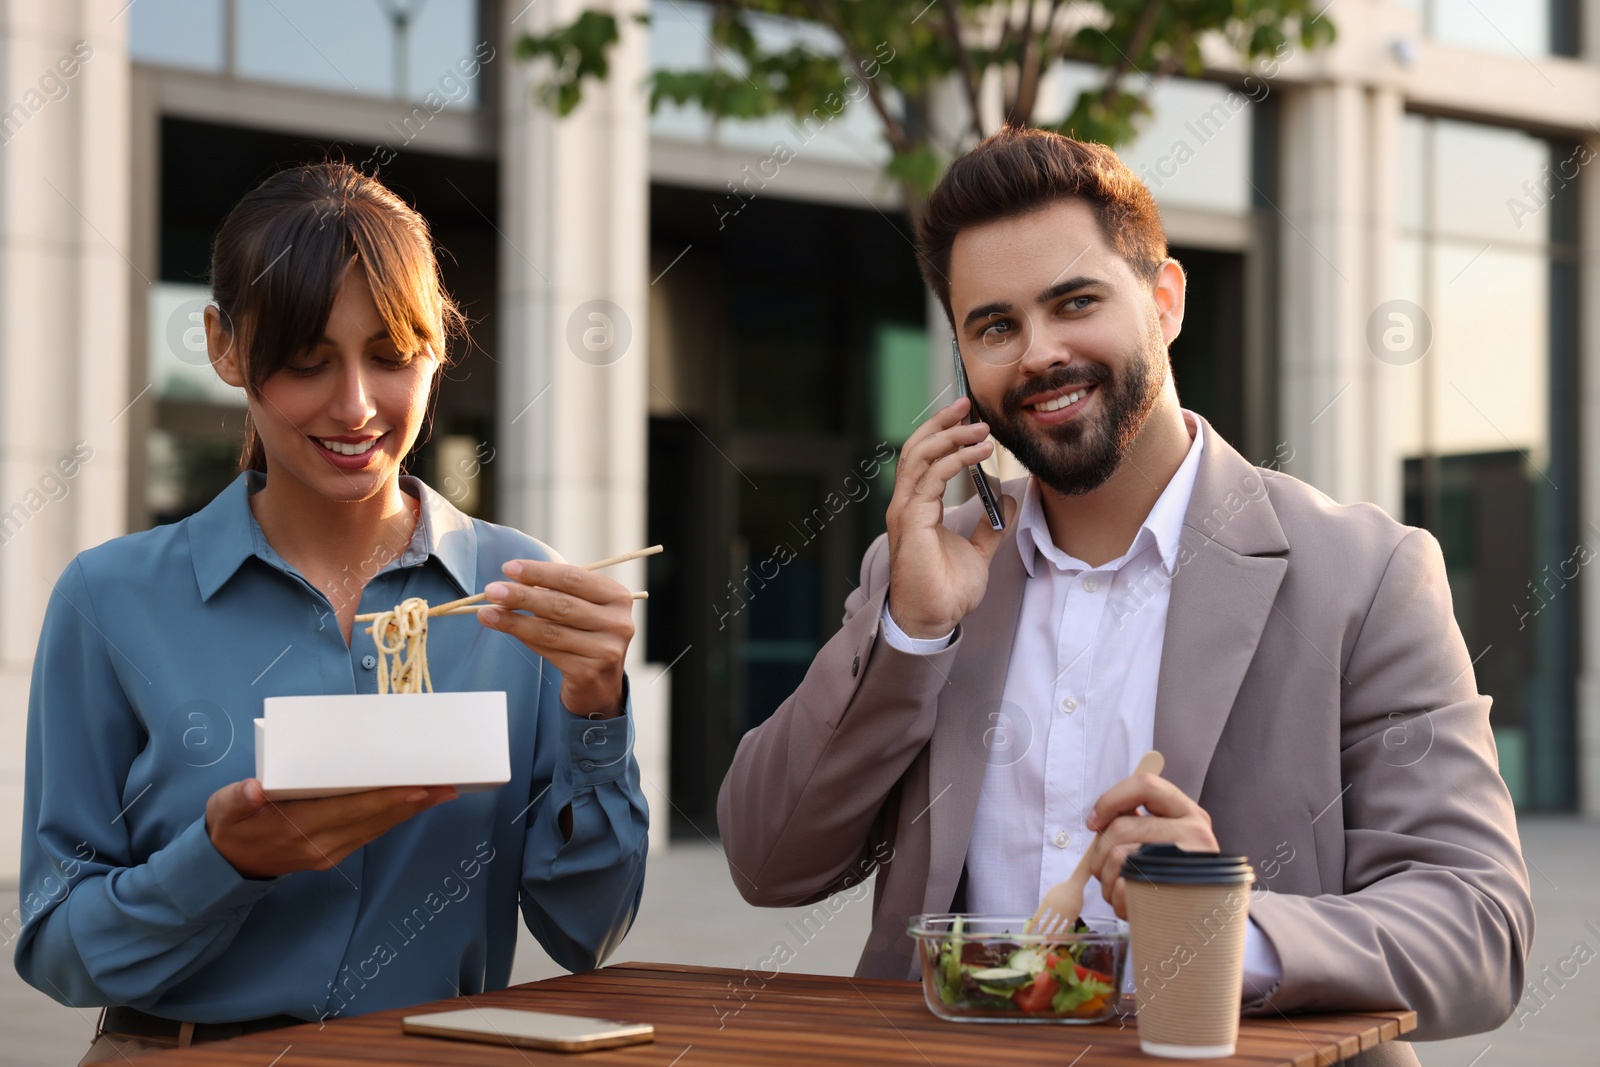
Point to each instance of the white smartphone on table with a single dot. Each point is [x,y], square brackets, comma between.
[529,1029]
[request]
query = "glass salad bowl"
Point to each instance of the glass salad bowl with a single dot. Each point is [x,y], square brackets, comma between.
[983,968]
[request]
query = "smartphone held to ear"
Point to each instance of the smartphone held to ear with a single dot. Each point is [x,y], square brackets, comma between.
[529,1029]
[980,481]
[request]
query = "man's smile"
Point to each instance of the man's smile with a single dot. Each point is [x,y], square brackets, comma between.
[1059,405]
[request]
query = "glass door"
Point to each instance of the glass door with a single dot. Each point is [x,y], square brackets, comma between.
[1487,421]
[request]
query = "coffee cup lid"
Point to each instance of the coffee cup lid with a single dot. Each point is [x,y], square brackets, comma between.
[1171,865]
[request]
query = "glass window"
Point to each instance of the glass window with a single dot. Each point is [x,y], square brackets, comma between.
[679,40]
[193,452]
[1491,313]
[1193,151]
[416,50]
[1488,184]
[347,48]
[783,384]
[1492,25]
[900,381]
[180,368]
[780,585]
[1412,191]
[1485,421]
[1516,27]
[178,33]
[785,366]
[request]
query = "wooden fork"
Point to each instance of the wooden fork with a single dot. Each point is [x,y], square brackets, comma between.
[1063,903]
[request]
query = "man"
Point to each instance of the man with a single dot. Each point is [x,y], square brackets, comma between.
[976,720]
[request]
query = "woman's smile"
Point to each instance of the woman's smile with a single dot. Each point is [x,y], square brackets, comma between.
[350,453]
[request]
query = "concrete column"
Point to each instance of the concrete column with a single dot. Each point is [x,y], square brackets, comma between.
[574,199]
[1381,474]
[1587,696]
[1326,369]
[1588,683]
[574,368]
[64,287]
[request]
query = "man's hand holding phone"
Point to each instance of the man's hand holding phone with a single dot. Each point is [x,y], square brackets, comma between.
[936,576]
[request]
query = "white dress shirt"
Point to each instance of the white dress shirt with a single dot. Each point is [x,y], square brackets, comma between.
[1078,708]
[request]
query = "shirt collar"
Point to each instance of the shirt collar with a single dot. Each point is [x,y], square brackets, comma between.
[1163,526]
[224,533]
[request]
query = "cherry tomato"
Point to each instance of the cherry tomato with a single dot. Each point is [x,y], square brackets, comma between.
[1038,996]
[1085,973]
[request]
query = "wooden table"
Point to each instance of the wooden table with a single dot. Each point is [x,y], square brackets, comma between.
[707,1015]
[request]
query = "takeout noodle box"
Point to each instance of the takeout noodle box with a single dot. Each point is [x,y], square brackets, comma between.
[324,746]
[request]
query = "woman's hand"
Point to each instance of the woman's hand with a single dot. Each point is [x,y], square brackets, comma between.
[580,621]
[263,839]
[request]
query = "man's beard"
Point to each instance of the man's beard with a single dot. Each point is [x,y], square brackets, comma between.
[1079,456]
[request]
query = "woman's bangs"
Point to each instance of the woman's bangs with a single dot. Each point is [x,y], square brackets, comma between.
[286,305]
[402,275]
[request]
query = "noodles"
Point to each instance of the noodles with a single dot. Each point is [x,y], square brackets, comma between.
[402,633]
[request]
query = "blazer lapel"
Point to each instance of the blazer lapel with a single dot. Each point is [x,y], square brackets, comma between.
[1231,560]
[959,757]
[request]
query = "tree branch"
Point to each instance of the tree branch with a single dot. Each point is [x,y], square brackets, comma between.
[1033,74]
[1180,44]
[1046,55]
[1059,47]
[827,14]
[1027,80]
[952,18]
[1136,44]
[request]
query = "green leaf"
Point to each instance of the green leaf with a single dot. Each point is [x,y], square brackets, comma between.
[1114,123]
[576,51]
[1075,992]
[917,171]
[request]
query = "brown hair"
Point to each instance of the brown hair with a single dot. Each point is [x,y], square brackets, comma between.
[1020,170]
[281,254]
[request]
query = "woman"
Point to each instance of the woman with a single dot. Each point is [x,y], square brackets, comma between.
[156,877]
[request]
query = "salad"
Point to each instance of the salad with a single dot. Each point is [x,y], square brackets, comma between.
[989,976]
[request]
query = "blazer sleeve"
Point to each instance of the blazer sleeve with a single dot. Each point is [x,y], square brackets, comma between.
[1436,914]
[798,805]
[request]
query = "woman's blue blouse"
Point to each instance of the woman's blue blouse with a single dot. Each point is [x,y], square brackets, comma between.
[156,652]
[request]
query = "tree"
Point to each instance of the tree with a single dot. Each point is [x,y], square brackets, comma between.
[894,54]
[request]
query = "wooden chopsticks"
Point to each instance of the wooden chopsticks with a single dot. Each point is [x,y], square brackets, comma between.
[467,604]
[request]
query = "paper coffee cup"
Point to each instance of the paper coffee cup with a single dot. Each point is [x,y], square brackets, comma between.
[1187,915]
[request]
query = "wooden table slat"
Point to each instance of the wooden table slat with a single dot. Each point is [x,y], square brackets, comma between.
[790,1019]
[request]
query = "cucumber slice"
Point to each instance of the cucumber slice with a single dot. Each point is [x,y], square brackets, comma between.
[1029,960]
[1002,977]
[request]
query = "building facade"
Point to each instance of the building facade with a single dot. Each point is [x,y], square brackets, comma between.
[713,335]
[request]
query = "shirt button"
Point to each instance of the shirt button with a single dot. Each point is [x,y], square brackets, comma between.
[1090,583]
[587,765]
[369,662]
[1061,839]
[1069,705]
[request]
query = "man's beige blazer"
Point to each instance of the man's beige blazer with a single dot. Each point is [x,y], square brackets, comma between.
[1315,696]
